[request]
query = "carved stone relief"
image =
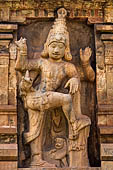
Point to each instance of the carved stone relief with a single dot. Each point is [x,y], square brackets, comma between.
[68,127]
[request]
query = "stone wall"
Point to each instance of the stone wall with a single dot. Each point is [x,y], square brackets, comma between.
[8,114]
[17,15]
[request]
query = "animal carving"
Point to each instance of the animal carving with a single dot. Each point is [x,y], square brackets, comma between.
[21,46]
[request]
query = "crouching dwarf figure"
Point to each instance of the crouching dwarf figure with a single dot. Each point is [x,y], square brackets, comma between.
[54,68]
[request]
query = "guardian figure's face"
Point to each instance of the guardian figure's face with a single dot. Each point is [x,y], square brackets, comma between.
[56,50]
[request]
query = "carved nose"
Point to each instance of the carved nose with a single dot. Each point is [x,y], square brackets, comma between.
[56,51]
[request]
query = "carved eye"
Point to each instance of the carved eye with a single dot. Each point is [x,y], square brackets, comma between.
[61,46]
[53,46]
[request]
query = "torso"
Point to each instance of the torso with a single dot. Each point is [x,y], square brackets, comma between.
[52,74]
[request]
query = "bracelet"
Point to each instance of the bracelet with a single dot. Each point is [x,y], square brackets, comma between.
[85,64]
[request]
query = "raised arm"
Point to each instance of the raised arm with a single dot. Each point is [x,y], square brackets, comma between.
[85,57]
[22,63]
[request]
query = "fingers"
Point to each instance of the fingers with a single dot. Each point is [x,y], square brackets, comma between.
[76,88]
[67,84]
[81,52]
[88,50]
[73,86]
[73,89]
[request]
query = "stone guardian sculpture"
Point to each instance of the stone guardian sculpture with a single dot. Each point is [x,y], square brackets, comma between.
[54,66]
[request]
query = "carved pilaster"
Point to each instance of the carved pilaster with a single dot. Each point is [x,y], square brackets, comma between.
[8,115]
[104,87]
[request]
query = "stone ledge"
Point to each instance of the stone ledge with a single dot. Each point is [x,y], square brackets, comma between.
[106,37]
[105,108]
[5,55]
[8,152]
[107,151]
[87,168]
[107,165]
[104,28]
[7,108]
[8,165]
[6,36]
[8,27]
[106,130]
[8,130]
[10,0]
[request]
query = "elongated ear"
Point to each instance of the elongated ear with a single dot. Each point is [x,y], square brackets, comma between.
[45,53]
[67,55]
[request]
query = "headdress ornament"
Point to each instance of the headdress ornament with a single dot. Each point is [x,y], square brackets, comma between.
[59,33]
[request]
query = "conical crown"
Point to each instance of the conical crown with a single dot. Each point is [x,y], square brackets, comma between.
[59,29]
[59,33]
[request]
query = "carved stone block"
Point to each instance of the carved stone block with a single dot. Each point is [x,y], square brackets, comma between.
[106,130]
[8,109]
[3,84]
[106,151]
[108,52]
[4,44]
[110,120]
[8,165]
[108,14]
[101,86]
[12,83]
[4,120]
[102,120]
[109,87]
[13,120]
[12,75]
[8,121]
[12,50]
[8,152]
[104,28]
[6,36]
[107,165]
[8,130]
[8,138]
[108,108]
[106,37]
[8,27]
[5,13]
[74,168]
[4,58]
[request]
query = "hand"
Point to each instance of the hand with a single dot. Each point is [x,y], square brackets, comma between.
[85,55]
[73,83]
[21,46]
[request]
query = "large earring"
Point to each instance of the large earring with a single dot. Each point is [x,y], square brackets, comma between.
[45,53]
[67,55]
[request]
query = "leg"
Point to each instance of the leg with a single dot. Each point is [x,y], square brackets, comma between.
[65,100]
[36,114]
[36,146]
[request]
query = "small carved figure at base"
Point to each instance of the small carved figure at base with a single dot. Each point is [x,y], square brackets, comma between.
[60,152]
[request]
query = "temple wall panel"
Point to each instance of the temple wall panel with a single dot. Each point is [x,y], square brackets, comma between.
[89,24]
